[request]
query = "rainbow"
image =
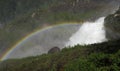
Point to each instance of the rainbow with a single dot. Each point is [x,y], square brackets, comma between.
[7,52]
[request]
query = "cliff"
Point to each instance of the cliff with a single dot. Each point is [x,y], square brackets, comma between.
[112,25]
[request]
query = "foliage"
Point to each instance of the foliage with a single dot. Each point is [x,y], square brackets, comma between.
[19,18]
[95,57]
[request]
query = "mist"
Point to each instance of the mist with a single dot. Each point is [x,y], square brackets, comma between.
[89,33]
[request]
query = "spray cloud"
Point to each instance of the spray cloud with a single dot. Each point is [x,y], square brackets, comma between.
[89,33]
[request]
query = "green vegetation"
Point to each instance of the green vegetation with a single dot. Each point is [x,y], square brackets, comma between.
[25,16]
[12,8]
[97,57]
[21,17]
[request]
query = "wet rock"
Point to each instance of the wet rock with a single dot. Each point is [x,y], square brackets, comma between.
[112,26]
[54,50]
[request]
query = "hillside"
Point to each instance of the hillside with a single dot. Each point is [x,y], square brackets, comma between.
[19,18]
[14,9]
[112,24]
[96,57]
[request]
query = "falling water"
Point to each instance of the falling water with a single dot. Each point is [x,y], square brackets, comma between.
[89,33]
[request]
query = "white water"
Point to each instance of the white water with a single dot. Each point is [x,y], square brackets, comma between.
[89,33]
[42,41]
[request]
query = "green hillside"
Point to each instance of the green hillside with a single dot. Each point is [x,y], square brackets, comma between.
[21,17]
[12,9]
[96,57]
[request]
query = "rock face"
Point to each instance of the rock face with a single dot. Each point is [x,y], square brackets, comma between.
[112,26]
[54,50]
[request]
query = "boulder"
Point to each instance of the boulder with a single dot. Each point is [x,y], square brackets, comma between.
[54,50]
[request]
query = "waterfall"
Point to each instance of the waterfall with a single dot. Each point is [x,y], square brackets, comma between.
[89,33]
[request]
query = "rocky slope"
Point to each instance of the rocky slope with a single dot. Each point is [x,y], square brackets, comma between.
[18,18]
[112,25]
[96,57]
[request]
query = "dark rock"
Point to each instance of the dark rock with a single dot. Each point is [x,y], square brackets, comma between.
[54,50]
[112,26]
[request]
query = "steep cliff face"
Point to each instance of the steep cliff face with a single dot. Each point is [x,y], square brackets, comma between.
[112,26]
